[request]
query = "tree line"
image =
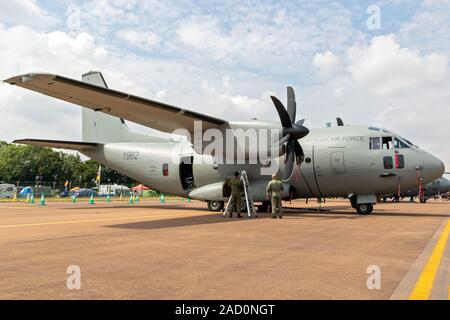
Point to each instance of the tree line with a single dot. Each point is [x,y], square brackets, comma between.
[30,165]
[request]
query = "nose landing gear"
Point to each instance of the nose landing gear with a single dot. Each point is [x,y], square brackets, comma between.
[364,208]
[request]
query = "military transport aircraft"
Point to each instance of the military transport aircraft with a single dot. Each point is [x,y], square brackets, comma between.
[435,188]
[357,162]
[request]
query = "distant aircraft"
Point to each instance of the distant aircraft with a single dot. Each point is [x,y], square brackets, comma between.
[435,188]
[356,162]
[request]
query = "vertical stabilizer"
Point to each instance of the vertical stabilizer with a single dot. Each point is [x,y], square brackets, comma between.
[97,126]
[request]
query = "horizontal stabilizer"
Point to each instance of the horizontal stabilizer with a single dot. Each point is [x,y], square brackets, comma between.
[69,145]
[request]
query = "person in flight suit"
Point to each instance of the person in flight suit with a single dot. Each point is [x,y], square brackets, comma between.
[236,187]
[274,190]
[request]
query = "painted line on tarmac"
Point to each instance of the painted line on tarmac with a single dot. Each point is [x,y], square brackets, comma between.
[90,220]
[407,285]
[9,207]
[424,284]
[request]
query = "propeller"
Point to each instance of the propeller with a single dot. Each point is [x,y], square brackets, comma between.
[292,131]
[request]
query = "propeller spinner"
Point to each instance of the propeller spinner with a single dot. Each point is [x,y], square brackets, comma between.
[292,131]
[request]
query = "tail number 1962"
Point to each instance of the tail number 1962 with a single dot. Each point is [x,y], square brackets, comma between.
[131,155]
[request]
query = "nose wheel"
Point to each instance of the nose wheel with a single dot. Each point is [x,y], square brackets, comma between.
[364,208]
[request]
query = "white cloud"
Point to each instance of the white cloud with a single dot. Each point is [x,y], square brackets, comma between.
[25,12]
[142,39]
[388,69]
[327,63]
[266,37]
[429,29]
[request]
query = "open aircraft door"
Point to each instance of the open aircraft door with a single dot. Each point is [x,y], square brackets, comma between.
[186,172]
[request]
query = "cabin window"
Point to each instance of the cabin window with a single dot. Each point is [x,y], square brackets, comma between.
[10,189]
[399,161]
[375,143]
[387,143]
[308,160]
[388,163]
[165,169]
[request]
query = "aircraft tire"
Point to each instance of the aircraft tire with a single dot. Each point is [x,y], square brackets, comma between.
[215,205]
[364,208]
[423,200]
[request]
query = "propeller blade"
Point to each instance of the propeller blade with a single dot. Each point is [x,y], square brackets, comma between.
[289,165]
[299,154]
[284,139]
[282,113]
[339,121]
[291,104]
[276,149]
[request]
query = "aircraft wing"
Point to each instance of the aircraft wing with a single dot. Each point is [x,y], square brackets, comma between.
[69,145]
[143,111]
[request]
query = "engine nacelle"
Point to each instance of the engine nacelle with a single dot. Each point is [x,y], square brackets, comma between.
[217,191]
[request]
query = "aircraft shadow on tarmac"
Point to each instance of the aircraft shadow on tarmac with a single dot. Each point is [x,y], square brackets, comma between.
[345,212]
[176,222]
[217,218]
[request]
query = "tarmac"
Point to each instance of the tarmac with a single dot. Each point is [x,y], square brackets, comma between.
[180,250]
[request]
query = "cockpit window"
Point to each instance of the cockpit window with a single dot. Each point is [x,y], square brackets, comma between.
[375,143]
[399,144]
[387,143]
[410,143]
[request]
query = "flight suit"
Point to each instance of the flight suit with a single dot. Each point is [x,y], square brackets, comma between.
[236,187]
[274,189]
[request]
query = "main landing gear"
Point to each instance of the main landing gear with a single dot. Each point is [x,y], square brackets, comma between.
[216,205]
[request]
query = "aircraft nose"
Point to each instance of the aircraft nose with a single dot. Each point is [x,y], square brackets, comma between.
[433,168]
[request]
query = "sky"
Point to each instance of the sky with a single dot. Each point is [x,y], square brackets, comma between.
[382,63]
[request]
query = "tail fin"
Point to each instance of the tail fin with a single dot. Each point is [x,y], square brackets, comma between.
[98,126]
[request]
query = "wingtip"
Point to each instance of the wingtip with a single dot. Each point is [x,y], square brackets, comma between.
[26,77]
[9,80]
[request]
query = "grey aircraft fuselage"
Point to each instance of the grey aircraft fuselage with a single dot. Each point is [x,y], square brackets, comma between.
[339,161]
